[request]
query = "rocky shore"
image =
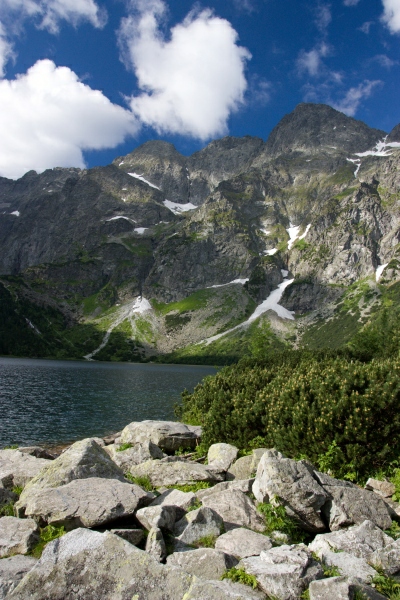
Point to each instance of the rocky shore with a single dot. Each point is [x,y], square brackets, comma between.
[141,516]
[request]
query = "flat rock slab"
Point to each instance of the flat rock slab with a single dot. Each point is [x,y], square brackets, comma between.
[198,524]
[181,501]
[82,460]
[293,483]
[341,588]
[222,455]
[17,536]
[383,488]
[133,536]
[86,502]
[347,506]
[284,572]
[176,473]
[82,564]
[139,453]
[361,541]
[243,543]
[18,468]
[241,469]
[236,510]
[350,565]
[12,570]
[241,485]
[204,562]
[167,435]
[160,517]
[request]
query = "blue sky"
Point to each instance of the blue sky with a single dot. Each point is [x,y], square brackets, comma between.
[86,81]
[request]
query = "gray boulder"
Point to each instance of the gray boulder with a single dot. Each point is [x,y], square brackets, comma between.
[383,488]
[387,558]
[181,501]
[241,485]
[361,541]
[155,545]
[17,468]
[293,483]
[167,435]
[243,543]
[12,570]
[136,455]
[86,502]
[82,564]
[347,506]
[36,451]
[236,509]
[159,517]
[198,524]
[204,562]
[7,496]
[241,469]
[341,588]
[222,455]
[17,536]
[133,536]
[176,473]
[349,565]
[283,572]
[82,460]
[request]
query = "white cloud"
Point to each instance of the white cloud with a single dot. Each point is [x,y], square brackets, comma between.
[190,82]
[351,2]
[365,27]
[384,61]
[48,117]
[311,62]
[391,15]
[5,50]
[355,95]
[323,17]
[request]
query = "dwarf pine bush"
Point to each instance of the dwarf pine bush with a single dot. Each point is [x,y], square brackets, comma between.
[301,404]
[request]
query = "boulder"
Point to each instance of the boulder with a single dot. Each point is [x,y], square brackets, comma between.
[85,502]
[82,564]
[17,536]
[222,455]
[347,506]
[241,485]
[82,460]
[283,572]
[361,541]
[198,524]
[167,435]
[387,558]
[7,496]
[243,543]
[139,453]
[133,536]
[181,501]
[236,509]
[159,517]
[176,473]
[36,451]
[12,570]
[256,455]
[204,562]
[17,469]
[155,545]
[383,488]
[341,588]
[293,483]
[241,469]
[349,565]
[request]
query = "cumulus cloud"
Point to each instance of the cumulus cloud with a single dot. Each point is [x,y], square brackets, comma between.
[190,82]
[355,95]
[6,51]
[391,15]
[48,117]
[311,62]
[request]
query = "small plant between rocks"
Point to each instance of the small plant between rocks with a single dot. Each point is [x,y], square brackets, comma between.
[124,446]
[240,576]
[47,534]
[276,519]
[143,481]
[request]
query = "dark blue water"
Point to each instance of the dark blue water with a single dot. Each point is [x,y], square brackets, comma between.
[45,401]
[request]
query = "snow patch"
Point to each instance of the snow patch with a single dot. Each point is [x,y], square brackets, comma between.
[141,178]
[241,281]
[121,163]
[271,252]
[293,232]
[178,208]
[284,273]
[380,148]
[16,213]
[265,231]
[140,230]
[141,305]
[121,217]
[357,162]
[380,270]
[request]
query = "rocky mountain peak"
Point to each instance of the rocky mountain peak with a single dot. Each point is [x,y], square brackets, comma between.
[313,127]
[394,135]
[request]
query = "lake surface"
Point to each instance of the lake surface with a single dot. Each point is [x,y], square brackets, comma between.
[46,401]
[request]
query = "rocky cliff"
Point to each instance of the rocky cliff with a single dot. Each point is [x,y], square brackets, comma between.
[161,251]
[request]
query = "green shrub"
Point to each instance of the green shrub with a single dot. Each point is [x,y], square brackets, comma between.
[300,403]
[240,576]
[276,519]
[386,586]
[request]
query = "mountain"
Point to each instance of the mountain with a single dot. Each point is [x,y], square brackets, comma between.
[156,252]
